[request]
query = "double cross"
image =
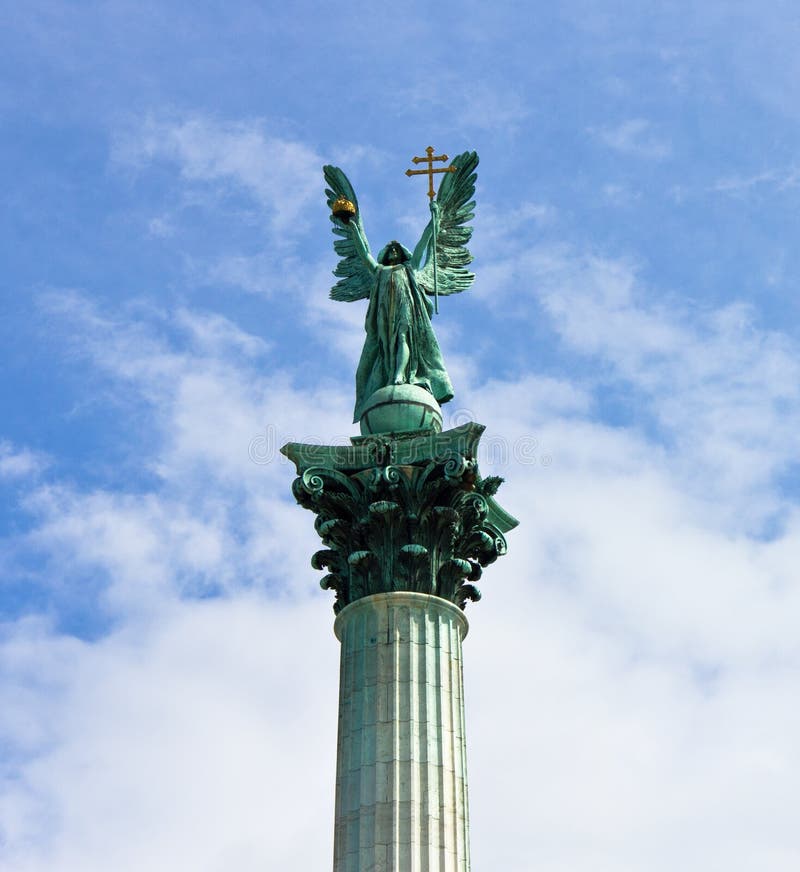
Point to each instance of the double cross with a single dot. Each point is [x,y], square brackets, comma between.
[429,170]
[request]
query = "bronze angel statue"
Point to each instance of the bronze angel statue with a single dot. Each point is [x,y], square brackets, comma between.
[400,347]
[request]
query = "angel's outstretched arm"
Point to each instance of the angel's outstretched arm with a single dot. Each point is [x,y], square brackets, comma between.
[361,245]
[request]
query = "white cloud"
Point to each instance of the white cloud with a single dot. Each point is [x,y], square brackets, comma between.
[141,548]
[161,226]
[218,161]
[19,462]
[721,391]
[208,400]
[636,659]
[739,185]
[634,656]
[725,390]
[498,231]
[215,413]
[256,274]
[620,762]
[282,175]
[463,104]
[183,742]
[637,666]
[640,557]
[214,335]
[634,137]
[620,195]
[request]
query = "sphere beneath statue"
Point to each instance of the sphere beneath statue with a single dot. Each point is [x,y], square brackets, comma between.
[399,409]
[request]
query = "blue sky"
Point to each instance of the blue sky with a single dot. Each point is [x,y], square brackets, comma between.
[168,696]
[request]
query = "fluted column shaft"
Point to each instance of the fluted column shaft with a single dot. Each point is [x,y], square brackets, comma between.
[401,780]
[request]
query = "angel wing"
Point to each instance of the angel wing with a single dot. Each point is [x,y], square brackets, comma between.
[355,280]
[456,207]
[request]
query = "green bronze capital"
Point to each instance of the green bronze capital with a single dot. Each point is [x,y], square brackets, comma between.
[402,514]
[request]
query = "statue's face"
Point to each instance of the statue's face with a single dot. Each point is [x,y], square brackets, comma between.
[394,254]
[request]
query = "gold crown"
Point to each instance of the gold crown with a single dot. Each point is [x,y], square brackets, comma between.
[343,209]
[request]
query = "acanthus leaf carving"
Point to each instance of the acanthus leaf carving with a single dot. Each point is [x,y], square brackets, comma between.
[418,526]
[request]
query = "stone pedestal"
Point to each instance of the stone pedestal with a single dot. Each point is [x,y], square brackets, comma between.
[401,781]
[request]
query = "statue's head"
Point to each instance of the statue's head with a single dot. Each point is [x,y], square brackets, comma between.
[393,254]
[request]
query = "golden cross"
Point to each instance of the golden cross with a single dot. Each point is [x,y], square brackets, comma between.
[429,170]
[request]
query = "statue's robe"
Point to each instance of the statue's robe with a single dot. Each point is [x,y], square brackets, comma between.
[397,306]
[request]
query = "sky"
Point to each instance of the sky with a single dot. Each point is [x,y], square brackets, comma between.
[169,672]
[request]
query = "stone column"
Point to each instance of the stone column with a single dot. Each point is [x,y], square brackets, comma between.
[401,780]
[408,525]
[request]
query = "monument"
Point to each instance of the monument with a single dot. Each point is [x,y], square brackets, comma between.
[408,524]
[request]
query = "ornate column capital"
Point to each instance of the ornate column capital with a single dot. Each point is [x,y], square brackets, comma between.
[402,513]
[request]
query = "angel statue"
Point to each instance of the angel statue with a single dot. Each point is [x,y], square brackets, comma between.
[400,347]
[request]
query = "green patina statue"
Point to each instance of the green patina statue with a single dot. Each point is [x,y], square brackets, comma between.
[400,347]
[404,506]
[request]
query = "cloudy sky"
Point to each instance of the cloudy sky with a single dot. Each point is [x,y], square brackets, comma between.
[632,342]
